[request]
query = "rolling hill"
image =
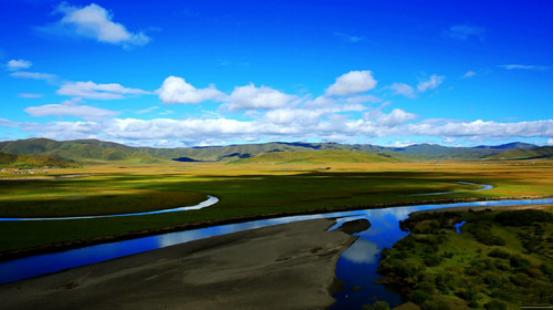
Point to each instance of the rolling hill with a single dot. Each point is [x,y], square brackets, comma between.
[95,151]
[84,151]
[540,152]
[33,161]
[318,157]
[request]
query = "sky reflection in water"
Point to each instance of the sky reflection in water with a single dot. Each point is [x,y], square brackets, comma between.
[356,267]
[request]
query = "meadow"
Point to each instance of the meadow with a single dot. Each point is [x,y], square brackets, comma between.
[246,191]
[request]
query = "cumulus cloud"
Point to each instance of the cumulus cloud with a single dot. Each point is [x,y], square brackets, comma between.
[465,32]
[67,130]
[251,97]
[176,90]
[482,128]
[351,83]
[69,108]
[270,115]
[18,64]
[431,83]
[394,118]
[95,22]
[288,116]
[403,90]
[92,90]
[523,67]
[198,131]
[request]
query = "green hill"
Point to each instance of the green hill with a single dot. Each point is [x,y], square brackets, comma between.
[319,157]
[96,151]
[541,152]
[33,161]
[84,151]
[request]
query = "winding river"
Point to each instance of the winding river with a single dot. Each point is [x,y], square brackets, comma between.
[356,267]
[204,204]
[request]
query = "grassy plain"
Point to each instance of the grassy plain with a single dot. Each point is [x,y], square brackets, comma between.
[246,191]
[502,259]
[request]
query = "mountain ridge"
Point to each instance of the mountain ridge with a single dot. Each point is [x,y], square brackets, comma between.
[96,151]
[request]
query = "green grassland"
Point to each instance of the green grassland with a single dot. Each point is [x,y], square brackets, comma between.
[318,157]
[501,260]
[246,191]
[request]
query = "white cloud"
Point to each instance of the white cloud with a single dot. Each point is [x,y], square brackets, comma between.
[250,97]
[394,118]
[199,131]
[469,74]
[289,116]
[92,90]
[69,108]
[483,128]
[523,67]
[29,95]
[433,82]
[406,90]
[465,32]
[67,130]
[353,82]
[130,128]
[33,75]
[95,22]
[403,89]
[18,64]
[176,90]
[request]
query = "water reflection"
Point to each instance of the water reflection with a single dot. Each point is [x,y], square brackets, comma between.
[361,251]
[383,233]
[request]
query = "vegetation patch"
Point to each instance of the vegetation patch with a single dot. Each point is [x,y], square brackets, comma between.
[501,260]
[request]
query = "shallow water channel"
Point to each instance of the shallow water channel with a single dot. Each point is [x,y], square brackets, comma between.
[356,268]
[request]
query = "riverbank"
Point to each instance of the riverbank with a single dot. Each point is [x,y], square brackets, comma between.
[289,266]
[77,243]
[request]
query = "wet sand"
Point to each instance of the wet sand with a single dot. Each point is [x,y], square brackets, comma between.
[289,266]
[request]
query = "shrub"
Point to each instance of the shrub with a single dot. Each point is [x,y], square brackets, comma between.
[495,305]
[443,283]
[432,260]
[519,262]
[523,217]
[499,254]
[435,305]
[419,296]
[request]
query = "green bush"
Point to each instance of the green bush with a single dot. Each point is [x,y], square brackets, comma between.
[435,305]
[523,217]
[495,305]
[518,262]
[499,254]
[420,296]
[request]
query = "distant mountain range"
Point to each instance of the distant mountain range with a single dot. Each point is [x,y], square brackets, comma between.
[41,151]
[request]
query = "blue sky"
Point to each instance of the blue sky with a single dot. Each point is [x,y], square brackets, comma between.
[220,72]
